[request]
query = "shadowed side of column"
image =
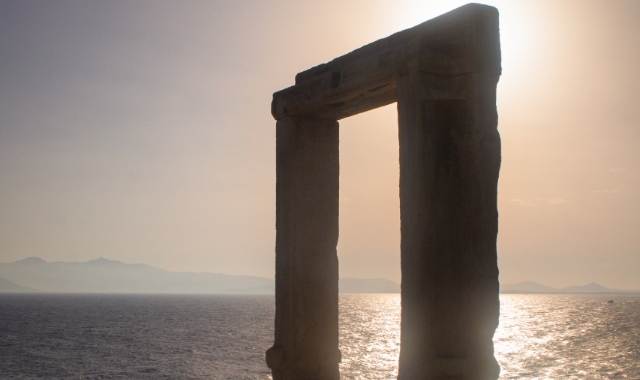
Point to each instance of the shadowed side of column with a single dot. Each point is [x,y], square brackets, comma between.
[449,165]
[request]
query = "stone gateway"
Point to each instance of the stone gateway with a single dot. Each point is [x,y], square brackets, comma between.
[443,75]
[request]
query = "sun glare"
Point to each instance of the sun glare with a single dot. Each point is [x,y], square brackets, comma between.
[518,35]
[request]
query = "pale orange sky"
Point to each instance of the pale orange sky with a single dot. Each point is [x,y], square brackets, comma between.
[141,132]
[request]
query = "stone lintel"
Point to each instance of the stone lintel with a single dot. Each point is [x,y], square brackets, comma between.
[465,40]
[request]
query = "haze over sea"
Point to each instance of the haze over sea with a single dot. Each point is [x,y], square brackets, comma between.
[224,337]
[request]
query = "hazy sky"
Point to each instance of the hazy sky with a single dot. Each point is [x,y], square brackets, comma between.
[141,131]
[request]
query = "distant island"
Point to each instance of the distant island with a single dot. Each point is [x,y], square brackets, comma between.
[7,286]
[530,287]
[34,274]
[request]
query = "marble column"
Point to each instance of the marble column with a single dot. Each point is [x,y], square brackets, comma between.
[449,166]
[306,321]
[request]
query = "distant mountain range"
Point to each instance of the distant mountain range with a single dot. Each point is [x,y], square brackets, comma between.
[7,286]
[109,276]
[534,287]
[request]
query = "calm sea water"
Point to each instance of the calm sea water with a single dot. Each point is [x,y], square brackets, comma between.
[224,337]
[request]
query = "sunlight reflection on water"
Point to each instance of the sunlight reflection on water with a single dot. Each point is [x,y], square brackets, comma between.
[369,336]
[225,337]
[539,337]
[568,337]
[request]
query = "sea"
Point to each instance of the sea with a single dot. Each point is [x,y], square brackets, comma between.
[45,336]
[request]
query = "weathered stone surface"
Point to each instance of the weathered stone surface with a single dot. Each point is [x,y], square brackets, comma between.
[449,164]
[306,323]
[443,74]
[456,43]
